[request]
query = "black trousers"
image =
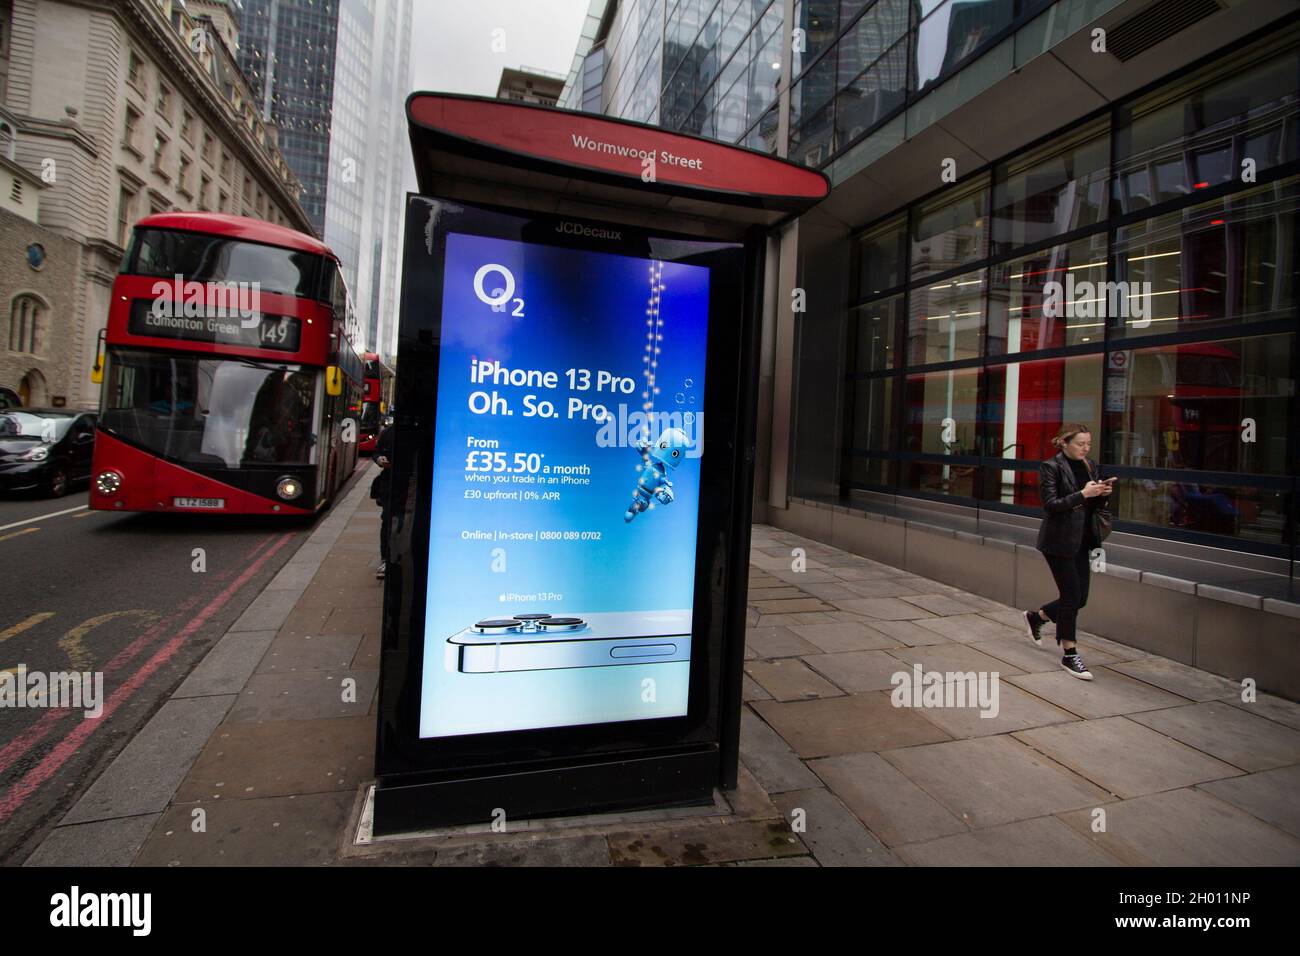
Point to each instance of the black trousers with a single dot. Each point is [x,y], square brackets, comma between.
[1071,576]
[384,522]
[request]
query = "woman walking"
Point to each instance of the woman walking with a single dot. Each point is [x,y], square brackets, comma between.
[1076,505]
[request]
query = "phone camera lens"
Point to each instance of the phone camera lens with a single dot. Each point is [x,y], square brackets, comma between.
[497,625]
[562,624]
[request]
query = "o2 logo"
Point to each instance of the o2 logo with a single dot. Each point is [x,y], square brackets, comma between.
[501,296]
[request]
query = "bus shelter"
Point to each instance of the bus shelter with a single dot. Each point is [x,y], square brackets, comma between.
[564,613]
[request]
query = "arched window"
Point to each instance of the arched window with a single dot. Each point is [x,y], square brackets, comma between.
[26,319]
[8,140]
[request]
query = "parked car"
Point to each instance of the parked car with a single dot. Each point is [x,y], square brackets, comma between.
[45,449]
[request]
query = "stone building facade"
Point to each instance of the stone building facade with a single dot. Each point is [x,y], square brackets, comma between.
[124,108]
[39,275]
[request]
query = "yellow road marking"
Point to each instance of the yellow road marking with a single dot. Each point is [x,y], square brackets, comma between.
[78,655]
[14,534]
[24,625]
[18,629]
[85,514]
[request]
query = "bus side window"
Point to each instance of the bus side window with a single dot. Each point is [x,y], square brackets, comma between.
[339,296]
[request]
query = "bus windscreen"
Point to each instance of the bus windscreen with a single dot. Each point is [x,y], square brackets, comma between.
[225,413]
[167,253]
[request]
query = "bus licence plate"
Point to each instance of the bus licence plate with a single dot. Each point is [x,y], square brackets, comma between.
[198,502]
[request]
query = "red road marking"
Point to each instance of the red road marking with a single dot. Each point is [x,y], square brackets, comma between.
[252,552]
[68,746]
[41,729]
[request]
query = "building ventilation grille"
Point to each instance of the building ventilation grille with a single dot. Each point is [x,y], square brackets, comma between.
[1156,24]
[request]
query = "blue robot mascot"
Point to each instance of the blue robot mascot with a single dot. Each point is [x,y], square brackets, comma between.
[666,451]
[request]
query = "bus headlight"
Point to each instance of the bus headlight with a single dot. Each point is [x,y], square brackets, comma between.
[108,482]
[289,488]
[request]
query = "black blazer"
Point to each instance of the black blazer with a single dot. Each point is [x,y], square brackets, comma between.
[1067,510]
[384,448]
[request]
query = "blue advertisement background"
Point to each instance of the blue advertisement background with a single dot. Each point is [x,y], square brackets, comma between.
[580,310]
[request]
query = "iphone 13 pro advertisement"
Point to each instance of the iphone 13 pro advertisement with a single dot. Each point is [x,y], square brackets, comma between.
[566,487]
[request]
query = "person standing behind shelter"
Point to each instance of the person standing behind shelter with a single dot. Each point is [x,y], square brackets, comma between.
[379,491]
[1070,491]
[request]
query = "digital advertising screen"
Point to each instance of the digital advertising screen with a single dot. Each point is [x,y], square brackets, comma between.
[566,486]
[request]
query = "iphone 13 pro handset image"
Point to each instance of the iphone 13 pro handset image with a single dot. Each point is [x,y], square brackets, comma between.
[536,642]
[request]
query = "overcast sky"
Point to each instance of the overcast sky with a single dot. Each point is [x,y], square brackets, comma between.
[452,47]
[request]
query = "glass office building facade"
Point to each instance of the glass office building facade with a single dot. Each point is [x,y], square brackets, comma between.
[333,75]
[368,154]
[864,62]
[1131,266]
[287,50]
[1136,273]
[707,67]
[714,67]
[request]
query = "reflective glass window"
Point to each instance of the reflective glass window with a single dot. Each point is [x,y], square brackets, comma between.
[731,114]
[1187,504]
[763,134]
[814,141]
[1037,301]
[819,21]
[955,31]
[861,470]
[868,39]
[881,257]
[946,320]
[1219,263]
[1186,406]
[764,74]
[872,414]
[1051,192]
[1027,403]
[815,89]
[950,231]
[873,334]
[872,96]
[939,417]
[940,412]
[1177,141]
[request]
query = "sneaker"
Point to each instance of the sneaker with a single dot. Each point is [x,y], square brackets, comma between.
[1035,625]
[1075,665]
[383,566]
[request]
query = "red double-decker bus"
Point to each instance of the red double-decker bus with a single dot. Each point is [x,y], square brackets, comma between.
[375,401]
[230,382]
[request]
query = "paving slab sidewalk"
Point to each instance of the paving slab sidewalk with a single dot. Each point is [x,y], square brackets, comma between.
[260,758]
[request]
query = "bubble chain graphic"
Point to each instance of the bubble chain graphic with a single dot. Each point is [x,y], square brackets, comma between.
[653,336]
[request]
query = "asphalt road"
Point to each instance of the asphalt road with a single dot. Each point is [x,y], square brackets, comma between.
[94,591]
